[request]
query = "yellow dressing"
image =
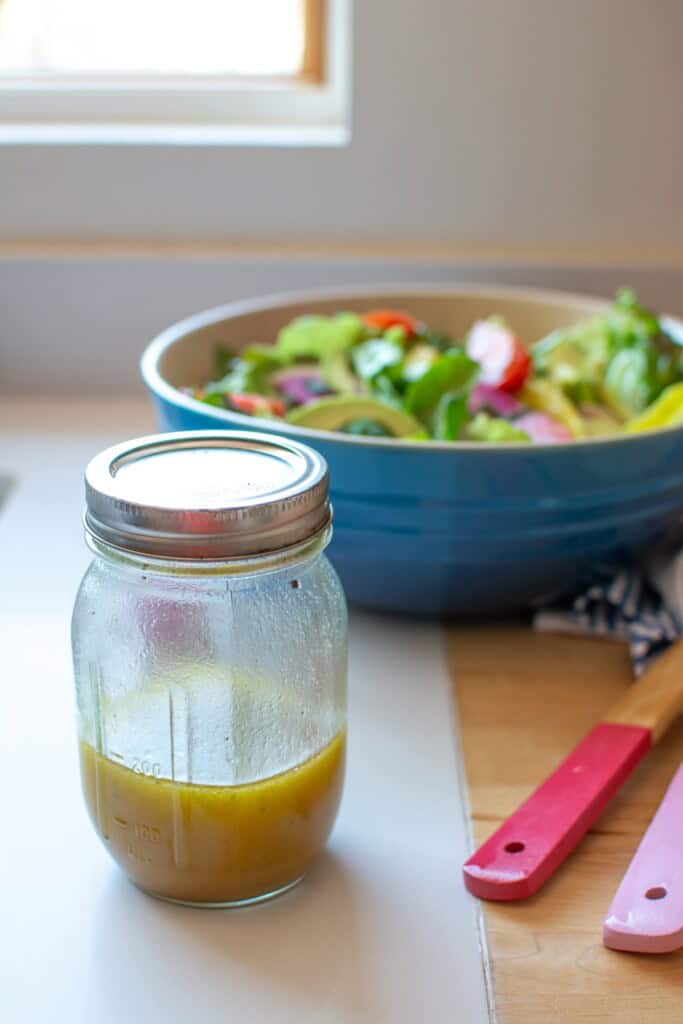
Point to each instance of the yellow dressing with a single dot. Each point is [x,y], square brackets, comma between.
[214,844]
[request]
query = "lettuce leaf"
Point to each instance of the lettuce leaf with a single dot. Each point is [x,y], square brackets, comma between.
[450,416]
[622,358]
[249,372]
[316,337]
[451,373]
[376,356]
[494,429]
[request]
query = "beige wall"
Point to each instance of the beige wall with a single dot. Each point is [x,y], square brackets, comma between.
[79,323]
[528,141]
[508,126]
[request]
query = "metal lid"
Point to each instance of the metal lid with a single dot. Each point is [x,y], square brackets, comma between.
[206,494]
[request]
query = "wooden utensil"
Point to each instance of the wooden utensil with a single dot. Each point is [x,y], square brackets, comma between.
[646,915]
[536,838]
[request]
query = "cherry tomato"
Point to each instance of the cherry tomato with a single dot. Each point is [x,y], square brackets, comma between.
[253,405]
[503,360]
[383,318]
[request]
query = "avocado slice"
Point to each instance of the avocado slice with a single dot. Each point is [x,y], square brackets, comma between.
[336,413]
[339,375]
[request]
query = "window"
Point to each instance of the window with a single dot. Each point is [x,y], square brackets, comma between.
[209,37]
[143,69]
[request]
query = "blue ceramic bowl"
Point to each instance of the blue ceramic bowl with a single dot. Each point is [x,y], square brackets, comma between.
[446,529]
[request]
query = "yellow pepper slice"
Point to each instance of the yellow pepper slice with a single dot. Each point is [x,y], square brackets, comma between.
[665,411]
[544,396]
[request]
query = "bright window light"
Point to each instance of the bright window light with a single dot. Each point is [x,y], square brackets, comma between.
[45,38]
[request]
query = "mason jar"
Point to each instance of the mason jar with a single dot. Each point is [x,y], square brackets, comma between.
[209,646]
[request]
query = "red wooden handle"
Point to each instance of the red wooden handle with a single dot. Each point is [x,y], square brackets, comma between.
[526,849]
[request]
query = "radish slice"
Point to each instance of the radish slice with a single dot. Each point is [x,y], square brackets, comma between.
[485,396]
[542,429]
[503,361]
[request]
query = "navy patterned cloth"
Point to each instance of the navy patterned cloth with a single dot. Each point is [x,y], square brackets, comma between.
[627,607]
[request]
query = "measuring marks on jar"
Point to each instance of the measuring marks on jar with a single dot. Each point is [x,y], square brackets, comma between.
[143,834]
[179,740]
[139,834]
[139,765]
[127,807]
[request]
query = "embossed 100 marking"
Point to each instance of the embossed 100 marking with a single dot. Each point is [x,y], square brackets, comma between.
[148,833]
[143,767]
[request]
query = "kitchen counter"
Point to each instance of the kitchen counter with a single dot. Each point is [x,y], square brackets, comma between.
[382,931]
[525,700]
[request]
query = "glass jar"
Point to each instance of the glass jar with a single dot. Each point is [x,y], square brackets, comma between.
[209,644]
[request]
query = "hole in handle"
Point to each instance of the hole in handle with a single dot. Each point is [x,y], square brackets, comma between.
[657,892]
[514,847]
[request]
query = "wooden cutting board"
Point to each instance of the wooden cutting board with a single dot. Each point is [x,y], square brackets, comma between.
[524,700]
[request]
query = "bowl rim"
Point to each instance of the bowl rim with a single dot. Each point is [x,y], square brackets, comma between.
[176,332]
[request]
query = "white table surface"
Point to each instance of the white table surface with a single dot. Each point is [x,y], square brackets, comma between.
[382,930]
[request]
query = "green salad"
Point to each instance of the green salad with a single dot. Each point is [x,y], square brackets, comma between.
[385,374]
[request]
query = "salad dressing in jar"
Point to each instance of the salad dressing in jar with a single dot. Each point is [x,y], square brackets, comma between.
[209,640]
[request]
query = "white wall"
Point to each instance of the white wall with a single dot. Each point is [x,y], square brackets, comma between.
[529,141]
[80,324]
[513,124]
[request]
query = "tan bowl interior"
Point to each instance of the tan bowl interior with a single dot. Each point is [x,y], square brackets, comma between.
[189,359]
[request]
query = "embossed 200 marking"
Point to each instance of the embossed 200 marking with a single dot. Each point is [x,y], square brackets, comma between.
[144,767]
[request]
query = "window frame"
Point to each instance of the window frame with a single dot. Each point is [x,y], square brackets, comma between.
[308,108]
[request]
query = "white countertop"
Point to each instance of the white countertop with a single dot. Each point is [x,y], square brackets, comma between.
[381,931]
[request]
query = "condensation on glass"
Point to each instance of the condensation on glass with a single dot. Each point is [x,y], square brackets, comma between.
[209,643]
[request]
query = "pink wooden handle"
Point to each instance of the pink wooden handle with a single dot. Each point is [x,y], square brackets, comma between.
[646,915]
[526,849]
